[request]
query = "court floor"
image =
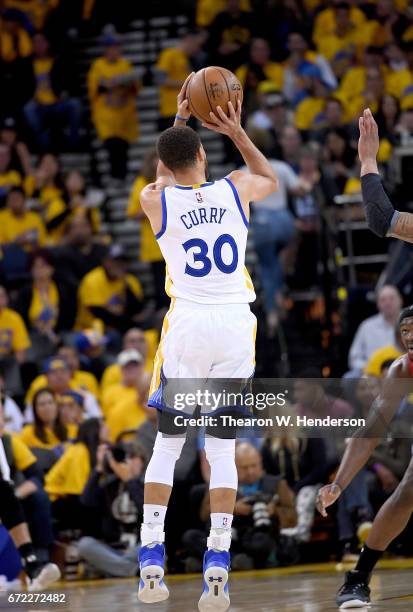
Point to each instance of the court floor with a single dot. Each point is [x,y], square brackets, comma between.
[296,589]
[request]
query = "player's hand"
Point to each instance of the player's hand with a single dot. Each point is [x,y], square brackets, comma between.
[326,497]
[229,126]
[369,137]
[182,102]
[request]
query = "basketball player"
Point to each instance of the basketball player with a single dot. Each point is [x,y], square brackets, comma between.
[393,517]
[209,330]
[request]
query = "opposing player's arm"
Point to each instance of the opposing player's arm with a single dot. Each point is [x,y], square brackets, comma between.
[365,440]
[261,179]
[381,216]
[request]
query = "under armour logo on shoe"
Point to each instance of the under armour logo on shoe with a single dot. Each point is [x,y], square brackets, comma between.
[157,577]
[211,579]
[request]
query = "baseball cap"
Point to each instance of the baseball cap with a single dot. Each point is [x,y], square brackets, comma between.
[53,364]
[110,37]
[116,251]
[9,123]
[274,99]
[89,338]
[77,397]
[129,356]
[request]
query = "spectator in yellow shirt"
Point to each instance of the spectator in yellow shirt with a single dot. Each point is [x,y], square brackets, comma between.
[18,225]
[8,177]
[113,86]
[134,339]
[14,342]
[108,293]
[259,68]
[345,36]
[353,82]
[172,68]
[326,21]
[309,113]
[149,251]
[122,404]
[47,431]
[66,481]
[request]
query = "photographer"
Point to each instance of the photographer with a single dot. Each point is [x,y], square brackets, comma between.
[114,493]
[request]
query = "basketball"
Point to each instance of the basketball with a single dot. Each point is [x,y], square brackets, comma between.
[211,87]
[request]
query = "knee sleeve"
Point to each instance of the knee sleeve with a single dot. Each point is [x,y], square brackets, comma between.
[221,457]
[166,452]
[11,509]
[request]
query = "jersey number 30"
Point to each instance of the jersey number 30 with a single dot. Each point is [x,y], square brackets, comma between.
[201,256]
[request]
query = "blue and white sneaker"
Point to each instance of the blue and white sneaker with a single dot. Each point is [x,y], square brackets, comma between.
[152,588]
[215,596]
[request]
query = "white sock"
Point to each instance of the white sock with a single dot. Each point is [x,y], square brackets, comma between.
[221,520]
[152,513]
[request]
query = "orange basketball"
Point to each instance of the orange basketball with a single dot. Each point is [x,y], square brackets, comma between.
[211,87]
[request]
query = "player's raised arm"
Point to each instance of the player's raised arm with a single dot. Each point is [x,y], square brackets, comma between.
[261,180]
[365,440]
[382,219]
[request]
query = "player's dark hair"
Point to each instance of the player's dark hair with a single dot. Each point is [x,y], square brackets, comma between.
[406,313]
[178,146]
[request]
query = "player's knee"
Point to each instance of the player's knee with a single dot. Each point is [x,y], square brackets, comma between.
[221,457]
[171,446]
[217,450]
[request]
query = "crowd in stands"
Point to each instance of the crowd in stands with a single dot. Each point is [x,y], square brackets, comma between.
[78,335]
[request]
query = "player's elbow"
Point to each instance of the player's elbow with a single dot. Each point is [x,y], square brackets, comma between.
[273,184]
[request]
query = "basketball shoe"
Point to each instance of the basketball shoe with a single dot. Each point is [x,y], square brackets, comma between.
[215,596]
[355,592]
[152,588]
[41,575]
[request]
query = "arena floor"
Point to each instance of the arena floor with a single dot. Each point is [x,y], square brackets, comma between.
[308,588]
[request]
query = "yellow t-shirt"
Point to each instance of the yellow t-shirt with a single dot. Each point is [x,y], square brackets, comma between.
[149,248]
[22,455]
[9,179]
[13,332]
[273,72]
[176,65]
[7,45]
[28,436]
[57,206]
[11,227]
[325,22]
[113,112]
[376,360]
[115,395]
[80,381]
[70,474]
[44,309]
[96,289]
[207,10]
[125,415]
[44,92]
[307,112]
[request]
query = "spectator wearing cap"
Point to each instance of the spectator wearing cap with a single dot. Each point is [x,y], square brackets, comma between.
[173,66]
[145,342]
[59,380]
[47,307]
[122,404]
[9,177]
[113,86]
[110,294]
[14,343]
[19,226]
[259,68]
[53,105]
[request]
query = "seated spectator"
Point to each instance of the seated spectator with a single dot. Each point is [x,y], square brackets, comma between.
[47,307]
[339,158]
[71,412]
[19,226]
[258,68]
[370,97]
[20,159]
[20,462]
[374,366]
[14,343]
[331,119]
[113,484]
[9,177]
[326,20]
[291,143]
[52,105]
[353,82]
[59,380]
[344,36]
[207,10]
[135,339]
[75,200]
[47,430]
[387,118]
[149,251]
[265,504]
[174,64]
[300,58]
[376,331]
[113,86]
[273,115]
[67,479]
[229,36]
[45,184]
[309,112]
[12,415]
[80,253]
[122,404]
[110,294]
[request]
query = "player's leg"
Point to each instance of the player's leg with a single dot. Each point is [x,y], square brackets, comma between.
[388,524]
[41,575]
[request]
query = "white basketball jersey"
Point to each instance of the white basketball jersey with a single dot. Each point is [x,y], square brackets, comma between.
[203,241]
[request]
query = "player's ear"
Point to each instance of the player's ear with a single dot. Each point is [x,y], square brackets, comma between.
[201,155]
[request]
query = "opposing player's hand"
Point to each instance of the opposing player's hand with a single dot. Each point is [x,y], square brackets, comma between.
[326,497]
[230,126]
[369,137]
[182,103]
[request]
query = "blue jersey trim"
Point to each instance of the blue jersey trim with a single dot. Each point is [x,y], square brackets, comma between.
[190,187]
[238,201]
[164,216]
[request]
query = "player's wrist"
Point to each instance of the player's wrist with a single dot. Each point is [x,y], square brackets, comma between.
[180,119]
[369,166]
[338,485]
